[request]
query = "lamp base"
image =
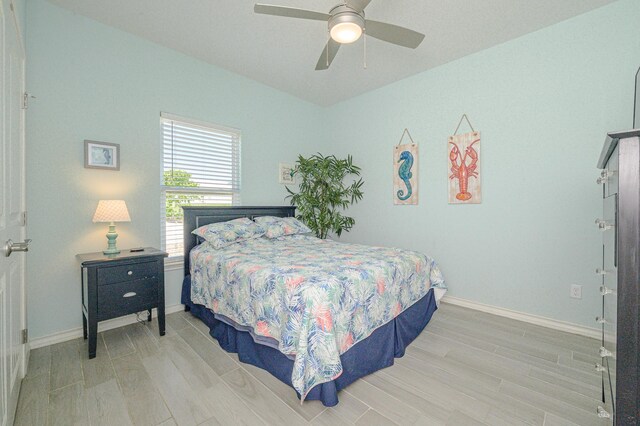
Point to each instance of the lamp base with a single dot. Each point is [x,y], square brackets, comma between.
[111,237]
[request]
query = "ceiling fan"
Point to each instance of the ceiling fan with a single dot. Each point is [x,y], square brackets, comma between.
[346,24]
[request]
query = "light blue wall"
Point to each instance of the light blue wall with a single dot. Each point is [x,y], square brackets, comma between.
[96,82]
[20,7]
[543,103]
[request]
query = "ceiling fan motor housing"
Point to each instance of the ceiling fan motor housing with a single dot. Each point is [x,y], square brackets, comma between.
[344,16]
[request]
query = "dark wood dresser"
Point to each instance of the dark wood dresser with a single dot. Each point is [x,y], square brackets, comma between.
[620,277]
[122,284]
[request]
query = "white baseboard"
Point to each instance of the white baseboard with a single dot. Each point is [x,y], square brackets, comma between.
[568,327]
[74,333]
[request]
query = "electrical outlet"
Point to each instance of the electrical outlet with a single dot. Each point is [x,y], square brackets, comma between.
[576,291]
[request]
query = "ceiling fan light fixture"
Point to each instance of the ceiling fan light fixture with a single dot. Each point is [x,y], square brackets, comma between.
[346,32]
[345,25]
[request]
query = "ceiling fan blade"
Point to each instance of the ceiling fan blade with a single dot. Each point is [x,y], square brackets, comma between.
[358,5]
[393,34]
[332,46]
[290,12]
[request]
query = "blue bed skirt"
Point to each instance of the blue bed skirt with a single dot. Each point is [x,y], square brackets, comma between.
[372,354]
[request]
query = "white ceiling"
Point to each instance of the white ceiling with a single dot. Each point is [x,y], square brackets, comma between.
[282,52]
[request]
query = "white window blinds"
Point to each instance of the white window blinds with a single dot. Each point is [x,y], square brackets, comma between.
[201,165]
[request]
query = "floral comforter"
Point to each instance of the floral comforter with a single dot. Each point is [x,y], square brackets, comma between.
[316,297]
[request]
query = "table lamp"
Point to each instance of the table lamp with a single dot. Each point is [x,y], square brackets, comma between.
[111,211]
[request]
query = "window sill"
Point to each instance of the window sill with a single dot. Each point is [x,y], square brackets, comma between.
[173,264]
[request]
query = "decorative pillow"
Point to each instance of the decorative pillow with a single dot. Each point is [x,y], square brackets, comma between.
[222,234]
[279,226]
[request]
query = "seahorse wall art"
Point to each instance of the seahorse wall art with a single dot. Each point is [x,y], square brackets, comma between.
[465,184]
[405,174]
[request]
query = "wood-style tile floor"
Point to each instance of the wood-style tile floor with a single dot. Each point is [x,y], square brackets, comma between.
[466,368]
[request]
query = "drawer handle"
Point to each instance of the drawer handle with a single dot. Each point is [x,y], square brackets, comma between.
[604,290]
[130,294]
[601,320]
[605,353]
[602,413]
[129,272]
[604,177]
[600,368]
[603,225]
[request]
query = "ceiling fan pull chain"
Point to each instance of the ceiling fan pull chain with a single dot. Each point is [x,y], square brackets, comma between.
[364,39]
[328,40]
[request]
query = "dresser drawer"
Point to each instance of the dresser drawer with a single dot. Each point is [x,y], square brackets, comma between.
[127,297]
[130,272]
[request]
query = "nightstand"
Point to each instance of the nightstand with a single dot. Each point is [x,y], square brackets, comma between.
[122,284]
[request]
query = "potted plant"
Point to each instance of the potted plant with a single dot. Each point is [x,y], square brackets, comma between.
[323,194]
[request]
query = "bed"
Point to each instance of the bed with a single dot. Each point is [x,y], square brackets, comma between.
[316,314]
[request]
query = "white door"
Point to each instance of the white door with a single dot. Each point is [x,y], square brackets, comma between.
[12,216]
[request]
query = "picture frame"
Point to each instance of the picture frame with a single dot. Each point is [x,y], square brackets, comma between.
[101,155]
[405,174]
[464,168]
[285,174]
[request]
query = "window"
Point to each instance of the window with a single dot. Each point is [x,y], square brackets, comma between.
[200,165]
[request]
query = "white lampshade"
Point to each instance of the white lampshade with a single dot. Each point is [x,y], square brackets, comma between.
[111,211]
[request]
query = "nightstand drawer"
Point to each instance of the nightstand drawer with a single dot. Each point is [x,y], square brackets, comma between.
[118,274]
[126,298]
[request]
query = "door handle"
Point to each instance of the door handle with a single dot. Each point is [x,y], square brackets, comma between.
[10,247]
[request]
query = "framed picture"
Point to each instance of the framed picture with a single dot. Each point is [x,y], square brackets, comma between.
[101,155]
[465,180]
[405,174]
[285,174]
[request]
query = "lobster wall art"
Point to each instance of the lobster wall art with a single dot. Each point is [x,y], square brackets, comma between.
[405,174]
[464,169]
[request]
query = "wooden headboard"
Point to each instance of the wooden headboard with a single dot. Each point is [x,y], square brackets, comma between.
[197,216]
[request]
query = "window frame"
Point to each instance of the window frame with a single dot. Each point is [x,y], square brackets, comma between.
[176,260]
